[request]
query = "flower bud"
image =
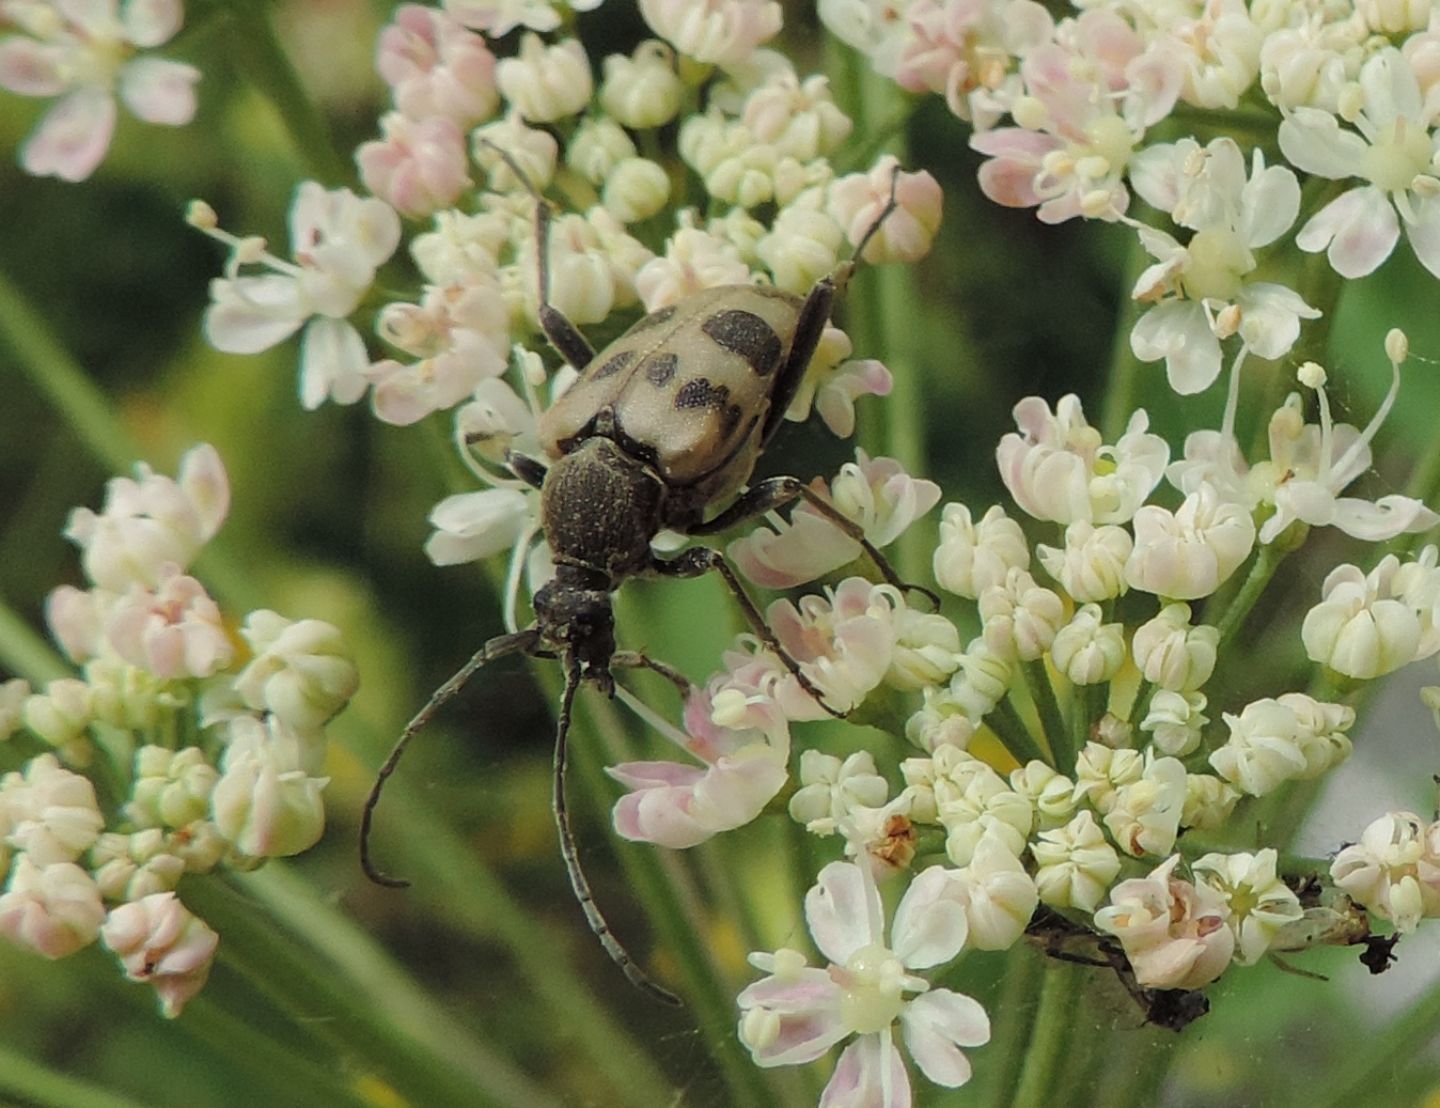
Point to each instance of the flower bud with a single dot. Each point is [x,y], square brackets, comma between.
[266,803]
[61,713]
[974,557]
[635,190]
[596,148]
[1086,651]
[54,910]
[1075,864]
[1174,654]
[643,90]
[158,940]
[13,696]
[1092,565]
[301,671]
[1020,617]
[53,813]
[1189,553]
[1175,721]
[546,83]
[172,788]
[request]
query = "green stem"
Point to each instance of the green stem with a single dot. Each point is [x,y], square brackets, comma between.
[1054,1022]
[1261,570]
[1013,1025]
[270,73]
[35,1083]
[1005,721]
[45,361]
[24,652]
[1122,385]
[1057,734]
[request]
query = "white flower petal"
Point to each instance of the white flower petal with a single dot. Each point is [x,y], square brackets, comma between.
[842,911]
[937,1024]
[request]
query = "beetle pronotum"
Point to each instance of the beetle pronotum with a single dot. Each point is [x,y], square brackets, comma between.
[662,425]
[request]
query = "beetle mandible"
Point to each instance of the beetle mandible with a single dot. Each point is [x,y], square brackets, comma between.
[662,425]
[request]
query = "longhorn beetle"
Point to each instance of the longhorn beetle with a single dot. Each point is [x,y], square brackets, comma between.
[662,425]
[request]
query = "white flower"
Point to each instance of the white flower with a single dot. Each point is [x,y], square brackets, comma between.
[339,240]
[1175,721]
[1101,771]
[1189,553]
[1259,902]
[642,91]
[1173,653]
[829,788]
[54,910]
[723,32]
[158,940]
[1051,792]
[1393,152]
[62,713]
[266,802]
[975,804]
[86,54]
[998,895]
[1091,567]
[1144,815]
[299,670]
[1087,651]
[546,83]
[174,632]
[474,525]
[971,557]
[1393,870]
[1075,864]
[1209,802]
[1058,469]
[13,694]
[152,520]
[1197,288]
[796,1013]
[533,149]
[1276,740]
[1021,618]
[1371,624]
[1174,933]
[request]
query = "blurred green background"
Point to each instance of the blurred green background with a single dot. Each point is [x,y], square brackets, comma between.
[480,984]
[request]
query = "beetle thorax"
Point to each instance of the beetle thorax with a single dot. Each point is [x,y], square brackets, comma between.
[600,508]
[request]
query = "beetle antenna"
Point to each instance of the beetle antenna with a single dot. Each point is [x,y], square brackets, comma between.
[618,954]
[885,213]
[519,642]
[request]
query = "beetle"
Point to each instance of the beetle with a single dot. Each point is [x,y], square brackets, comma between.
[662,426]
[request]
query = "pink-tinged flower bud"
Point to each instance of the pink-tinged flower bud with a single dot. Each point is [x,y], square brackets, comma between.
[1173,932]
[13,695]
[53,814]
[301,671]
[643,90]
[265,802]
[1189,553]
[1174,654]
[435,67]
[798,118]
[55,909]
[546,83]
[856,201]
[174,632]
[693,260]
[419,166]
[973,557]
[158,940]
[721,32]
[1091,567]
[75,617]
[1143,817]
[1075,864]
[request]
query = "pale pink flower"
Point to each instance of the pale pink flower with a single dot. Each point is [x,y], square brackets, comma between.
[876,28]
[457,335]
[693,260]
[972,557]
[963,49]
[1020,617]
[1143,816]
[1090,99]
[339,240]
[151,521]
[677,805]
[855,202]
[1392,870]
[1394,152]
[175,631]
[843,641]
[86,53]
[875,493]
[1175,934]
[75,617]
[52,814]
[435,67]
[798,118]
[54,910]
[158,940]
[797,1013]
[723,32]
[419,166]
[1091,566]
[1057,467]
[835,381]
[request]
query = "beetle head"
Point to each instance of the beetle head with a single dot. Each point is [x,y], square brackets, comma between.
[573,612]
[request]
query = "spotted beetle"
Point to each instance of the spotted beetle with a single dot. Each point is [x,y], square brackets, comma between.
[662,425]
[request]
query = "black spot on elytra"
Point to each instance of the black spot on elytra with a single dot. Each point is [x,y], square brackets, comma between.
[660,368]
[700,393]
[614,365]
[746,334]
[654,319]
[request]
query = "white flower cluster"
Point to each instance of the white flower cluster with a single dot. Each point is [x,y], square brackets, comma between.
[229,741]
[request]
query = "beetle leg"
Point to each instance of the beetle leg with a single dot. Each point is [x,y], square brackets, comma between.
[526,468]
[775,492]
[578,882]
[701,559]
[633,659]
[521,642]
